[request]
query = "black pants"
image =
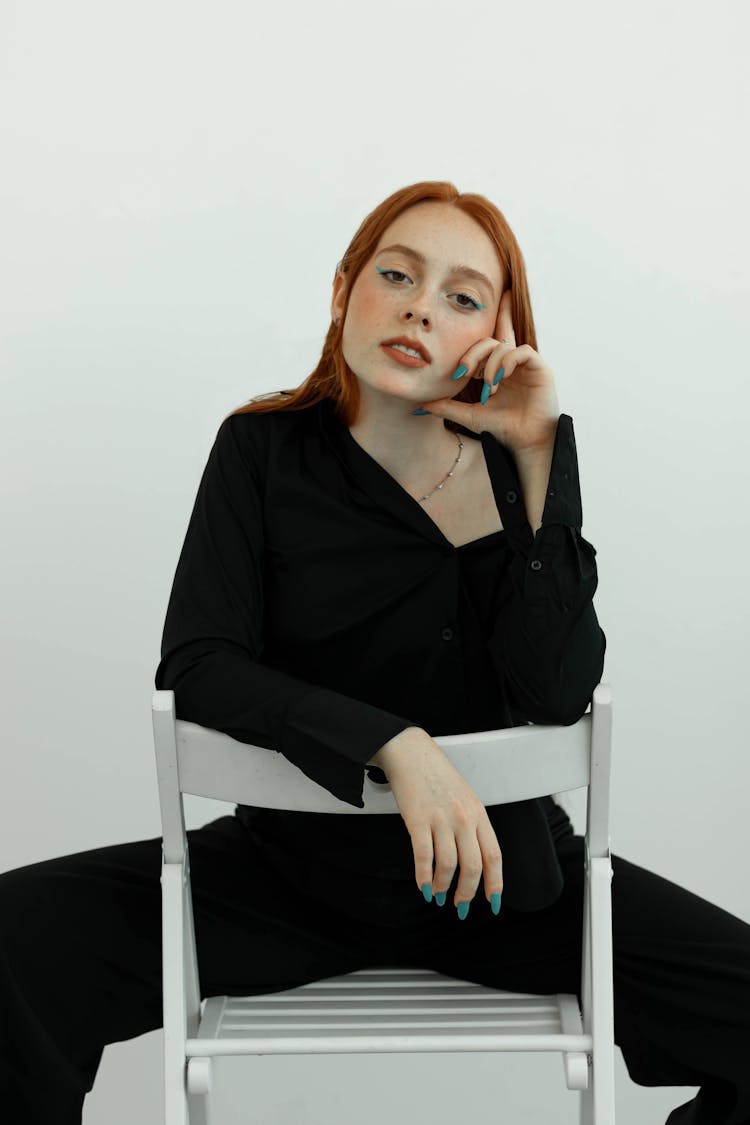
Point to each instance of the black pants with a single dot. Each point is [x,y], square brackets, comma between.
[80,960]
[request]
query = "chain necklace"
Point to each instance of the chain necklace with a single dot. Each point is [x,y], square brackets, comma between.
[450,474]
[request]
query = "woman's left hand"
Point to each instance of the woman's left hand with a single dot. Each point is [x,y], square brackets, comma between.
[522,410]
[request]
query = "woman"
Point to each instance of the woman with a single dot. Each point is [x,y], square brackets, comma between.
[390,552]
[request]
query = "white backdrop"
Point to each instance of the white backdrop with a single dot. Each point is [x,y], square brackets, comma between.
[179,181]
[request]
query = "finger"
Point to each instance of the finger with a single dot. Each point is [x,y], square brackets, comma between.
[470,861]
[421,842]
[510,359]
[495,368]
[478,365]
[504,326]
[446,859]
[492,860]
[483,359]
[473,358]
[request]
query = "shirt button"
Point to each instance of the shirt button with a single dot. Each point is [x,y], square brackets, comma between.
[511,497]
[446,633]
[536,564]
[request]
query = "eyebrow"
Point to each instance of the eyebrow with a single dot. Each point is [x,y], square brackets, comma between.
[455,271]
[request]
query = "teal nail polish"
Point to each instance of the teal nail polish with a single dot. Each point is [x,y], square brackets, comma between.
[419,410]
[495,902]
[427,892]
[459,371]
[499,376]
[486,391]
[440,898]
[463,909]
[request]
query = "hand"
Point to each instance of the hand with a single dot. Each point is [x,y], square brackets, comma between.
[445,818]
[522,411]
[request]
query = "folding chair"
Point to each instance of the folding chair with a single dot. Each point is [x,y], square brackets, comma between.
[385,1010]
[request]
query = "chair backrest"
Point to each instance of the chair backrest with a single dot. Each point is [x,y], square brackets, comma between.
[509,764]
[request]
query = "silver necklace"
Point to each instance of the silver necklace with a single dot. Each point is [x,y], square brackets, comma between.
[450,474]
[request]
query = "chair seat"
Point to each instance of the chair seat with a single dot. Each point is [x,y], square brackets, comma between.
[394,1009]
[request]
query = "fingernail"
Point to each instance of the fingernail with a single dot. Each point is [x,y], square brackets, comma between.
[486,391]
[499,376]
[419,410]
[427,892]
[463,909]
[440,898]
[459,371]
[495,902]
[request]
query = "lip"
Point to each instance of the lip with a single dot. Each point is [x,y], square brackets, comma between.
[409,343]
[402,358]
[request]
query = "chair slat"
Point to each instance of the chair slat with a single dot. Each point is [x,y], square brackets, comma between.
[501,766]
[363,1040]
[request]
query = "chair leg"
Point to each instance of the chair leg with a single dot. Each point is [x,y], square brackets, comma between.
[199,1085]
[587,1099]
[183,1108]
[587,1095]
[199,1112]
[176,1105]
[603,1006]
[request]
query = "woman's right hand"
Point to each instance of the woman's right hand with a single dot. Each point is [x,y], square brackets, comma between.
[445,818]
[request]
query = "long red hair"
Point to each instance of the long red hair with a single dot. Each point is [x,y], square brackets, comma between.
[333,378]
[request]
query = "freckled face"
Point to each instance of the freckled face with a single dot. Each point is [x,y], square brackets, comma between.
[427,301]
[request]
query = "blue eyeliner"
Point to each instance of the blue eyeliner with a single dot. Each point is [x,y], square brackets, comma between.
[477,306]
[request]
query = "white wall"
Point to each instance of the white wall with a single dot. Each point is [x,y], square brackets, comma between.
[179,180]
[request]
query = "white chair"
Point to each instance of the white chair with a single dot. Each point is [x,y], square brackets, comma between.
[387,1010]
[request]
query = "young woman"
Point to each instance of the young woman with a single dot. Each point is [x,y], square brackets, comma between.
[390,552]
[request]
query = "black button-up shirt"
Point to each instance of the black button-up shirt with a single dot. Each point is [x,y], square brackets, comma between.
[318,610]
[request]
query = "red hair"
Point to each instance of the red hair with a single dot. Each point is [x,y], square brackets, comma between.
[333,378]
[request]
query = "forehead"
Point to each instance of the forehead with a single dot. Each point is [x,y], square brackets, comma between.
[444,236]
[440,227]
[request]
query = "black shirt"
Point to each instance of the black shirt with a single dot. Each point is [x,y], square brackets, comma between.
[318,610]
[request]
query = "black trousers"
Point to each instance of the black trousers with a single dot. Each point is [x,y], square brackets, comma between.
[80,960]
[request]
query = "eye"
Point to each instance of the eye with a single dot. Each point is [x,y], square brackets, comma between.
[474,304]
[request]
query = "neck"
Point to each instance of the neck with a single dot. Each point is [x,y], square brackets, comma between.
[416,450]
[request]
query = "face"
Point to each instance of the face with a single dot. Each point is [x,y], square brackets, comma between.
[426,301]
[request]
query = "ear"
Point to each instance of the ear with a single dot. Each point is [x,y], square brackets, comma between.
[338,296]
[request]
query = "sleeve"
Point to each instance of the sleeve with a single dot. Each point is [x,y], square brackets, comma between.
[546,642]
[212,639]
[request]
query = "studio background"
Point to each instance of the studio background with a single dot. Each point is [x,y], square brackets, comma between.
[179,182]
